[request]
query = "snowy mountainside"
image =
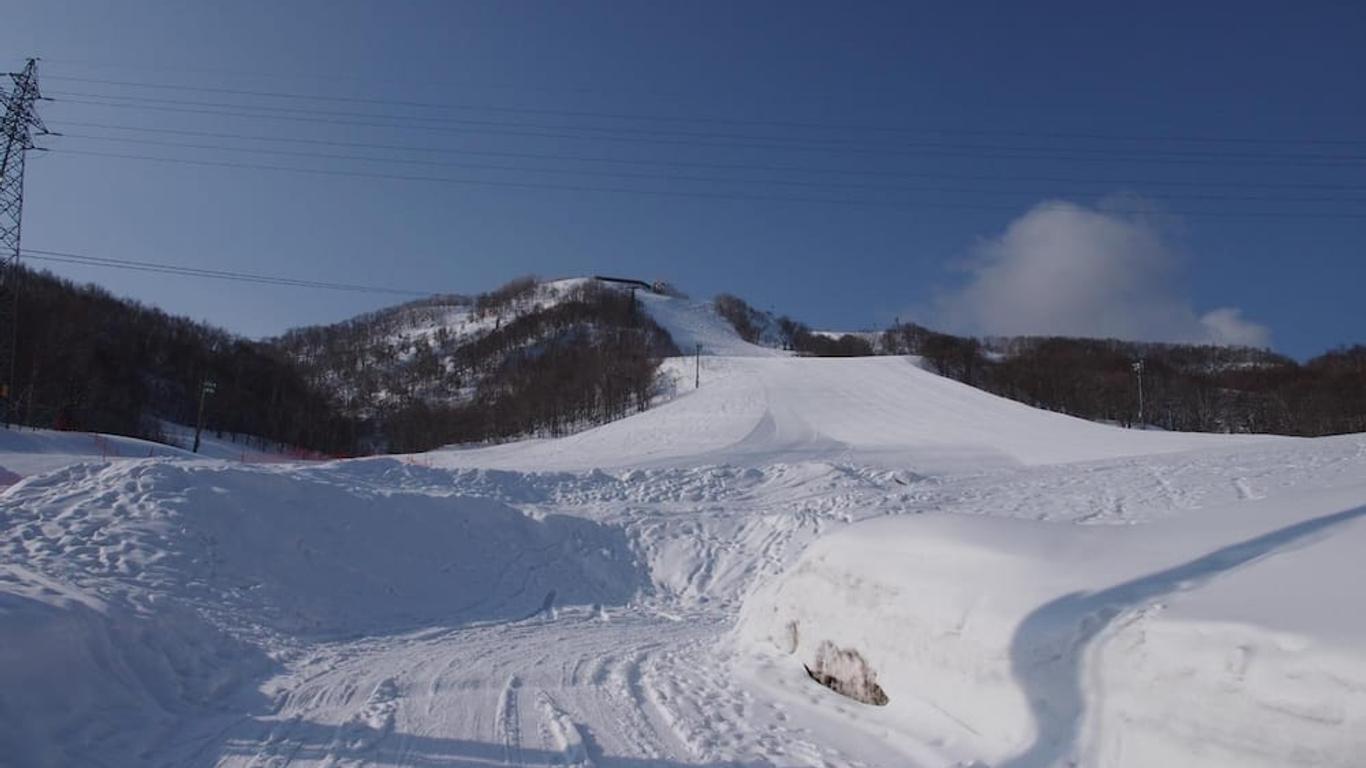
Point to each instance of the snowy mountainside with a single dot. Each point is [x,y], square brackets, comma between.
[529,358]
[375,358]
[697,325]
[412,349]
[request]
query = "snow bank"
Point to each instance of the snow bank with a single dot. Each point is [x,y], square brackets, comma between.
[25,452]
[308,554]
[1224,638]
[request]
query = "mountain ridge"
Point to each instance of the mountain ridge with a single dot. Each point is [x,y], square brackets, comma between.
[456,368]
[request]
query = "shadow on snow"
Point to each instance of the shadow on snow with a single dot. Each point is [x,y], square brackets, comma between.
[313,743]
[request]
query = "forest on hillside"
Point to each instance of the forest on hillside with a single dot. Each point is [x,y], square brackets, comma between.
[525,359]
[87,360]
[90,361]
[1187,387]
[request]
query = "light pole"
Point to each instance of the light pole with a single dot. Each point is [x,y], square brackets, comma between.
[205,389]
[1138,371]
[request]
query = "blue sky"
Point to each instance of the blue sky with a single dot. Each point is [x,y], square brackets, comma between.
[1188,171]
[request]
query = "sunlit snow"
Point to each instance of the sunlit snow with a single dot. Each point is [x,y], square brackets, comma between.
[1026,588]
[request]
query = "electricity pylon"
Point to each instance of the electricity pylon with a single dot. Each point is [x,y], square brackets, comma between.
[19,125]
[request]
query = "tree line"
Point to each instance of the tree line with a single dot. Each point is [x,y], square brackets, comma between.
[1186,387]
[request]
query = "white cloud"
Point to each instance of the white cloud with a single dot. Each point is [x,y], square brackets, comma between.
[1066,270]
[1227,326]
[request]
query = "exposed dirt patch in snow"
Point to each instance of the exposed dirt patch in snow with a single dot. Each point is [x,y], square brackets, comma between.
[846,672]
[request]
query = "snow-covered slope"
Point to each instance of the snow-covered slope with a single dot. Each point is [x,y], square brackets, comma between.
[1029,589]
[696,325]
[884,411]
[26,452]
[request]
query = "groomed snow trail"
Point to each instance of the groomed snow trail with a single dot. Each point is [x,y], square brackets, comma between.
[556,603]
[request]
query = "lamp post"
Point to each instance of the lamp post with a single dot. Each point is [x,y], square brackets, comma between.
[1138,372]
[205,389]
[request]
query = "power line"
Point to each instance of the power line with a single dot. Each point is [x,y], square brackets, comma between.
[795,141]
[334,76]
[216,274]
[852,202]
[721,120]
[767,168]
[665,177]
[693,139]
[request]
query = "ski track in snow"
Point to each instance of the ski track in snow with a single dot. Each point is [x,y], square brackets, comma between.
[554,662]
[640,685]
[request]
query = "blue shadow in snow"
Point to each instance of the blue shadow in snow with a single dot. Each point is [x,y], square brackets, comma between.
[315,744]
[1047,649]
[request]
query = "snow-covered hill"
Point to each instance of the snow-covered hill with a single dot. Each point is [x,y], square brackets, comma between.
[531,358]
[1024,588]
[372,360]
[420,350]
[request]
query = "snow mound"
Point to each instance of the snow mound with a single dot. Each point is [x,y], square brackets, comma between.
[1219,639]
[25,452]
[309,554]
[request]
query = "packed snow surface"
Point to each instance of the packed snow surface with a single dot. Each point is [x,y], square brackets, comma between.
[26,451]
[1023,588]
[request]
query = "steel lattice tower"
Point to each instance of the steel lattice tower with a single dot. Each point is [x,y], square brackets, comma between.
[18,127]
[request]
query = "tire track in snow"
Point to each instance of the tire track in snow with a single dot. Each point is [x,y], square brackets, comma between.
[613,698]
[562,735]
[507,722]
